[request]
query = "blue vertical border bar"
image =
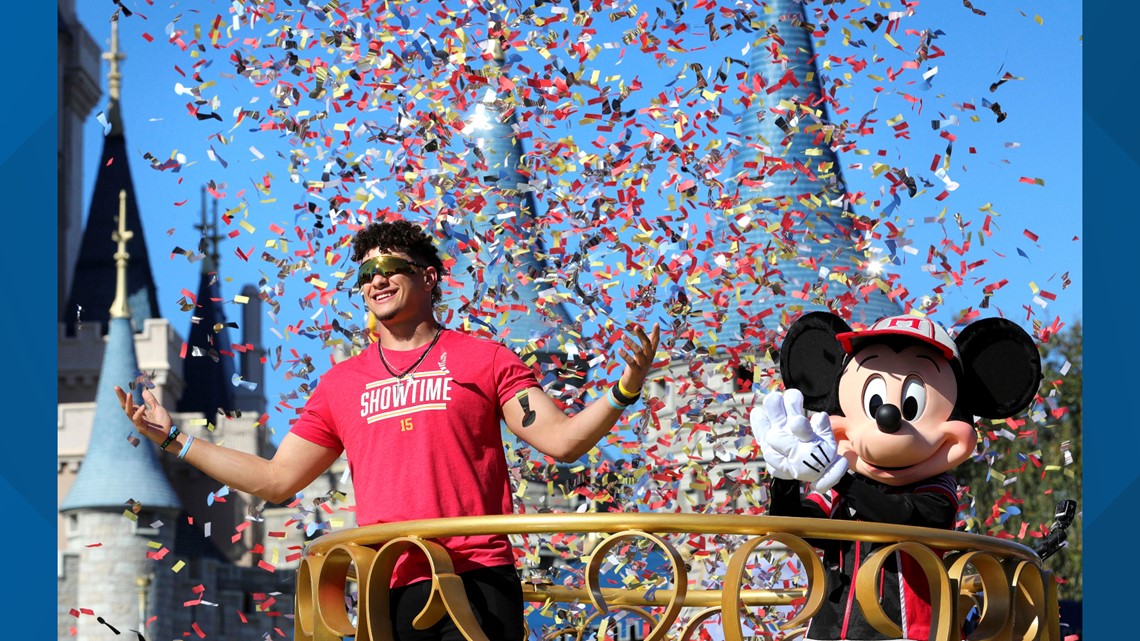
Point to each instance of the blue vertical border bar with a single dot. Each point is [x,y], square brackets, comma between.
[28,116]
[1111,235]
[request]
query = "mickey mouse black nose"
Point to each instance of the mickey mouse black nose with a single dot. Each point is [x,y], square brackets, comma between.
[888,418]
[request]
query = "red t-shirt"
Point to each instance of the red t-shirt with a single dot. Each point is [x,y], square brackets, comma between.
[433,450]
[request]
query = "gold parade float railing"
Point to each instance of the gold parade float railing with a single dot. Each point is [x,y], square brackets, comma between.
[1015,596]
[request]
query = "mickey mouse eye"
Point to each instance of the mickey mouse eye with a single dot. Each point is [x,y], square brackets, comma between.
[914,398]
[874,395]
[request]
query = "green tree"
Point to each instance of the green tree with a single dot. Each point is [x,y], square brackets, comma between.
[1021,471]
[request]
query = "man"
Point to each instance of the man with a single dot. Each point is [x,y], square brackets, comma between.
[418,416]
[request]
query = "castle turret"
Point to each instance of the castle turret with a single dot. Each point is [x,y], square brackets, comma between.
[121,502]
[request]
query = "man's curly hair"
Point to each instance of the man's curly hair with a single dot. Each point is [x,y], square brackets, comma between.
[404,237]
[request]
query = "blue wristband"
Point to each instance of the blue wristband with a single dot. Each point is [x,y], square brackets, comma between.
[613,402]
[186,447]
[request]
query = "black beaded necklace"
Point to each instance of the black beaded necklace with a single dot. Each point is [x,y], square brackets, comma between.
[411,370]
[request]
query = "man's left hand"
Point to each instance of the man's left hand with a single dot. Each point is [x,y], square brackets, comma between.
[638,356]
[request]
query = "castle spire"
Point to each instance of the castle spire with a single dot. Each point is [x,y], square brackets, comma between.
[120,308]
[95,283]
[114,57]
[210,236]
[209,367]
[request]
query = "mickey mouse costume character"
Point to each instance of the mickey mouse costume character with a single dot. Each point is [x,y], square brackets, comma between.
[895,406]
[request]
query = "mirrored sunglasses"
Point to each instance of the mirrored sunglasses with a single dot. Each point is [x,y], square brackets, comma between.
[386,266]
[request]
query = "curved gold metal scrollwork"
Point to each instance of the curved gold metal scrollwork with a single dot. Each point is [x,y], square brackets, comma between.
[1026,611]
[942,601]
[995,621]
[322,581]
[447,593]
[1028,586]
[332,612]
[308,575]
[680,578]
[730,593]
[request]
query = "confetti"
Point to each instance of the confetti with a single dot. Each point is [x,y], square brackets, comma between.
[635,147]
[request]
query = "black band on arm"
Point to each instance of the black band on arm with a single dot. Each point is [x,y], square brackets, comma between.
[173,434]
[621,397]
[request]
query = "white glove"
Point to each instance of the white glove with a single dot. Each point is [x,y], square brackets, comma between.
[776,462]
[795,448]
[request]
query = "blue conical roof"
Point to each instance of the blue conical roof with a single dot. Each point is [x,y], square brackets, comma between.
[794,225]
[114,471]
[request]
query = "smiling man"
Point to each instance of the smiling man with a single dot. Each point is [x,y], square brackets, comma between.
[418,416]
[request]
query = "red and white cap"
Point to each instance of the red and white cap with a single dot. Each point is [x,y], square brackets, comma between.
[922,329]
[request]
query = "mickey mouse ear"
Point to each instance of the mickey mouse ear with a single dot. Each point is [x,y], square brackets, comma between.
[811,357]
[1001,367]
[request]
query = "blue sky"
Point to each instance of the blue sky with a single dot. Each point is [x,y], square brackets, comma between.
[1024,172]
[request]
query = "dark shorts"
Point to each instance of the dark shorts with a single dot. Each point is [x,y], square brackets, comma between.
[496,600]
